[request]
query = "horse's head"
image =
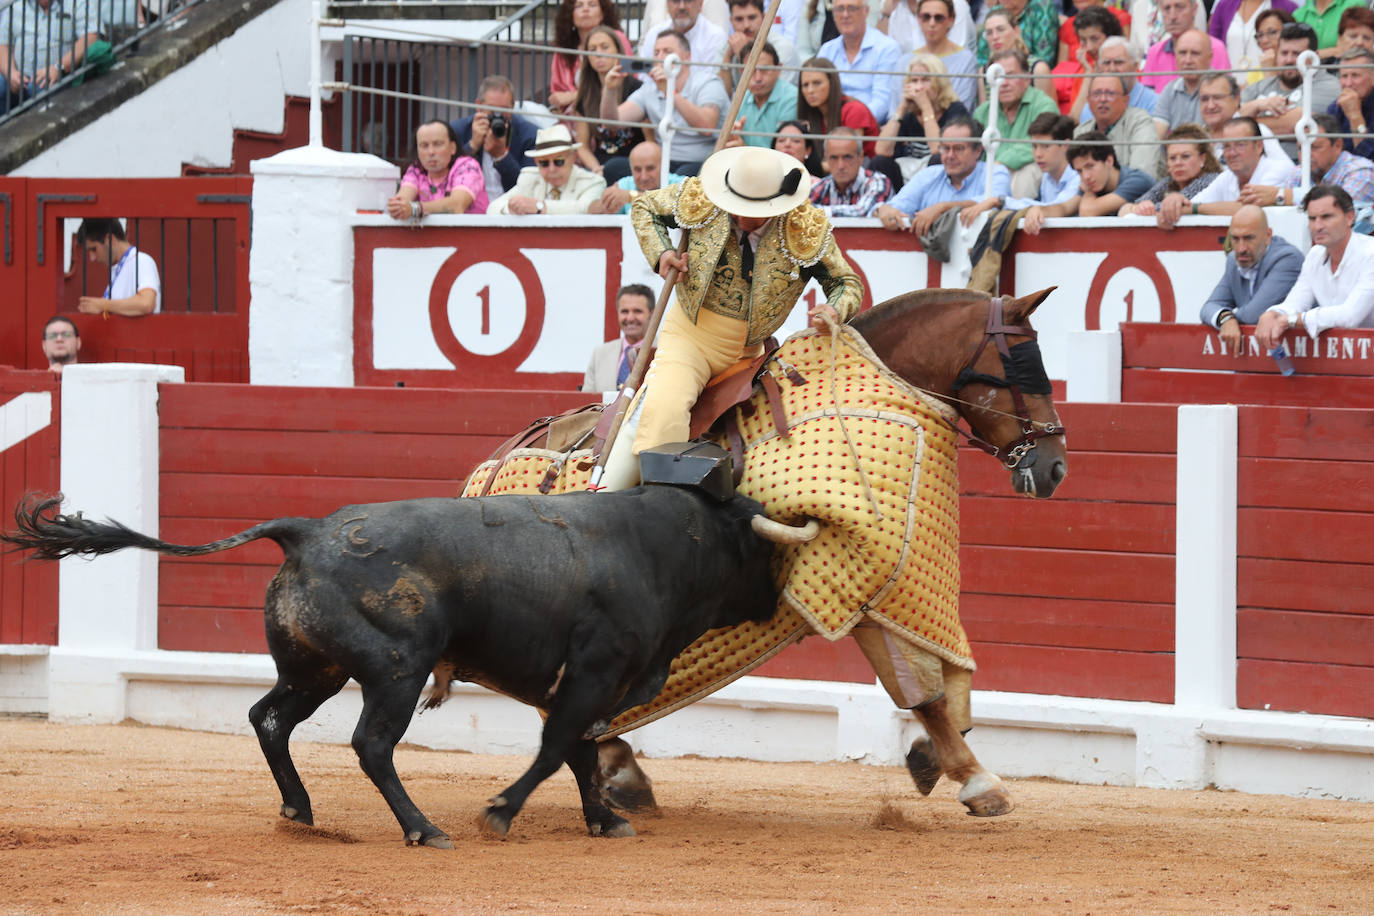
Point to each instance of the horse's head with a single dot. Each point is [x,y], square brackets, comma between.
[1004,394]
[984,361]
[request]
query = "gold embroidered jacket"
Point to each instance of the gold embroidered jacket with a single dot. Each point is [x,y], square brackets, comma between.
[796,247]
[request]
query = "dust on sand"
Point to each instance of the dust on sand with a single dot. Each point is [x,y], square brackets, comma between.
[130,819]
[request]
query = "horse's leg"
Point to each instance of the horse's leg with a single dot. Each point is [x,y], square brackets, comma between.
[619,778]
[917,680]
[983,792]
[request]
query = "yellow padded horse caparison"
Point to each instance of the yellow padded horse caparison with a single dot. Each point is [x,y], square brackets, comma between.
[889,543]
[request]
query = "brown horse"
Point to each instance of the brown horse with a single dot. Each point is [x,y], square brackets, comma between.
[977,354]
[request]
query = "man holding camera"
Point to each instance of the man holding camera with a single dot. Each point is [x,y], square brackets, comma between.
[500,142]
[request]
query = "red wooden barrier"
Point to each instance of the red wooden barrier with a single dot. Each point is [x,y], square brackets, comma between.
[1073,595]
[1187,364]
[28,591]
[1305,575]
[197,229]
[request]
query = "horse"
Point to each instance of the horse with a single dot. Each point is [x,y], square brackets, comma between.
[977,355]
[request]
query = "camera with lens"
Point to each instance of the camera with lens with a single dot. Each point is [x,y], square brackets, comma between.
[498,125]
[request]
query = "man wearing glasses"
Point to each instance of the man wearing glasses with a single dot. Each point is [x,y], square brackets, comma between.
[1130,129]
[960,181]
[554,184]
[61,343]
[1116,57]
[859,48]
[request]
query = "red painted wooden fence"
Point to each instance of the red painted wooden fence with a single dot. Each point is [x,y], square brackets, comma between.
[28,591]
[1305,571]
[197,229]
[1187,364]
[1072,595]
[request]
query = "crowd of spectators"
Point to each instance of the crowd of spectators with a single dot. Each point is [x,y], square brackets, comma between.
[1155,109]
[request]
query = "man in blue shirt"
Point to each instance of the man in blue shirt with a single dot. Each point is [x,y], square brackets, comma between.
[960,182]
[1058,181]
[860,48]
[1354,107]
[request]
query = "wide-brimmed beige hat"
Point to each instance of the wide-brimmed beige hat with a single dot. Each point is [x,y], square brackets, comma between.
[551,141]
[755,181]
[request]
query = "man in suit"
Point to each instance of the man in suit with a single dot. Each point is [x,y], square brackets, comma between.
[612,361]
[1259,273]
[502,148]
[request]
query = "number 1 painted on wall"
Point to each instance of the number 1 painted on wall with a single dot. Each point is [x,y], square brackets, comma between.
[484,294]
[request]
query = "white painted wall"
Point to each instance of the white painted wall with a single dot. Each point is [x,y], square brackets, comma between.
[190,116]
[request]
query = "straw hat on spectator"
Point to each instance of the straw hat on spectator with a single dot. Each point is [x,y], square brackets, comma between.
[551,141]
[755,181]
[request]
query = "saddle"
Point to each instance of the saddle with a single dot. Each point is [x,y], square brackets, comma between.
[568,431]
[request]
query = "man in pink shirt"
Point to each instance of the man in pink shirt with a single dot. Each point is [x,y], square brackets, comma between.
[1178,18]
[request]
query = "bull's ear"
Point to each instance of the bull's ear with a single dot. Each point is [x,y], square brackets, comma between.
[1020,309]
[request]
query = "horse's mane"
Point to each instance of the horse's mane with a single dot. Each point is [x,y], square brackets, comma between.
[917,299]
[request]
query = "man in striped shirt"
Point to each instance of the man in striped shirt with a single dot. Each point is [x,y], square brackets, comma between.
[849,189]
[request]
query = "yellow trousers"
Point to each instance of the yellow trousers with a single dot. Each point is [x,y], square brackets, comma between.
[689,355]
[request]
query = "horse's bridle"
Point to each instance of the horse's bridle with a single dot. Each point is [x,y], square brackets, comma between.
[1014,452]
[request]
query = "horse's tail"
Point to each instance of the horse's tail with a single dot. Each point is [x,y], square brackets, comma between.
[52,535]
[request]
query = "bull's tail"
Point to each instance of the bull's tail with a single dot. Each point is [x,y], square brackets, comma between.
[51,535]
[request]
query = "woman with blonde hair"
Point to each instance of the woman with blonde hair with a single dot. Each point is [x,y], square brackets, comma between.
[927,102]
[1191,164]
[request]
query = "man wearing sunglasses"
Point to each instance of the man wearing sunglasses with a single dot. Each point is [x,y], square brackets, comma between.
[61,343]
[555,183]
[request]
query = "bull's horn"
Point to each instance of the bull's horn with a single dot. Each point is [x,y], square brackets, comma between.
[779,533]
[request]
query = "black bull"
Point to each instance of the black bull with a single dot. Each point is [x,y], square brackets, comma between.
[574,604]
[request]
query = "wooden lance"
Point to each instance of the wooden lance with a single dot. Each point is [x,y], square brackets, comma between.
[641,366]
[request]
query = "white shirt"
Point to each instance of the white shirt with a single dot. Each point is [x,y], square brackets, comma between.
[135,271]
[1226,186]
[706,39]
[1344,299]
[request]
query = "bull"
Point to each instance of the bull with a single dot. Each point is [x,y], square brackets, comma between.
[574,604]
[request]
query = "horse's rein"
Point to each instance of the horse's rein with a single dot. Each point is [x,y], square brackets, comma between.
[1012,454]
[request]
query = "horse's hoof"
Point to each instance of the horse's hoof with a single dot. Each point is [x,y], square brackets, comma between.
[495,822]
[634,799]
[300,817]
[985,796]
[924,765]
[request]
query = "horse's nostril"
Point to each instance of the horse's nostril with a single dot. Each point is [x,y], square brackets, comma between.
[1058,471]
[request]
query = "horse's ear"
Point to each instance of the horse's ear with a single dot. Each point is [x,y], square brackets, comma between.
[1020,309]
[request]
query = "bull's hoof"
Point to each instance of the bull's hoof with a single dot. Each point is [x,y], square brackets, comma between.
[924,765]
[611,826]
[436,840]
[496,819]
[300,817]
[985,796]
[634,799]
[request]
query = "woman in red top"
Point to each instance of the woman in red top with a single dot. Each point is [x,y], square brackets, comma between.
[822,104]
[572,24]
[1068,38]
